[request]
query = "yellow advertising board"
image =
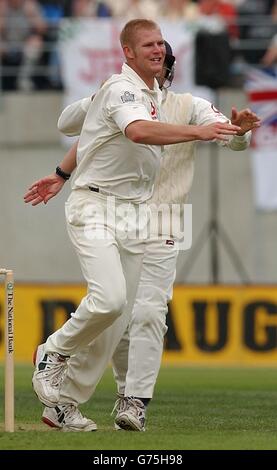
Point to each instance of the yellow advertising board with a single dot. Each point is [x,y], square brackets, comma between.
[225,325]
[207,324]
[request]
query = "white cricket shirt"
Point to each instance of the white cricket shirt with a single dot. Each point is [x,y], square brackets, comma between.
[105,157]
[174,178]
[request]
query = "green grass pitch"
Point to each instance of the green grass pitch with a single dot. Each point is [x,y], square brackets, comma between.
[193,408]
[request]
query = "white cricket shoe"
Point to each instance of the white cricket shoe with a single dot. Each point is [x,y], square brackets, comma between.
[119,406]
[130,414]
[67,418]
[48,376]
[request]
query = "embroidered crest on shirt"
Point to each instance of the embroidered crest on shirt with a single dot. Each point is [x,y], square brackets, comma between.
[127,97]
[170,242]
[153,111]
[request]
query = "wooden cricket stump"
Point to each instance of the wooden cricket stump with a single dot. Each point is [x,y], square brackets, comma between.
[9,349]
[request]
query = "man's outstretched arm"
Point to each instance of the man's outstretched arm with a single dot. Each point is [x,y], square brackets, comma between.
[159,133]
[44,189]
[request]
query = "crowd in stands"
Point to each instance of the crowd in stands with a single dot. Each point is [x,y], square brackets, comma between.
[29,30]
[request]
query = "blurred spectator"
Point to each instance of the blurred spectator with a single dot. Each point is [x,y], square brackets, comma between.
[131,9]
[117,6]
[256,29]
[213,54]
[237,3]
[224,9]
[270,57]
[53,10]
[180,9]
[89,8]
[22,29]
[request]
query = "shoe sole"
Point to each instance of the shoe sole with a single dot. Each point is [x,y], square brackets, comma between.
[126,425]
[48,422]
[117,428]
[89,429]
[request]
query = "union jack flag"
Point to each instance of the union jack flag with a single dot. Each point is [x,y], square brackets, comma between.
[261,88]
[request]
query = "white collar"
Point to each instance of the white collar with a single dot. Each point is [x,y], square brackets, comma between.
[130,73]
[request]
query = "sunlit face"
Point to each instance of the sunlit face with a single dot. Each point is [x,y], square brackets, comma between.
[146,53]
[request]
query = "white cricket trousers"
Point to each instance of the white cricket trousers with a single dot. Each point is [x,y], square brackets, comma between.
[134,345]
[111,264]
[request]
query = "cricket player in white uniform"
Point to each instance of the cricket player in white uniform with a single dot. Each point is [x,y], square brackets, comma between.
[147,326]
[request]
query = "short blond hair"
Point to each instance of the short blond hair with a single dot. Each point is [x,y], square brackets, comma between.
[130,29]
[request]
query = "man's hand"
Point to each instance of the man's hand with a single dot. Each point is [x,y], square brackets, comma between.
[217,131]
[44,189]
[245,119]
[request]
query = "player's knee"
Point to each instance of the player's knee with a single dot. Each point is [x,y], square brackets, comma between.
[155,302]
[110,303]
[116,303]
[151,316]
[150,321]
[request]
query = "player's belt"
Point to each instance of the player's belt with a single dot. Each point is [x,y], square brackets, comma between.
[100,191]
[91,188]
